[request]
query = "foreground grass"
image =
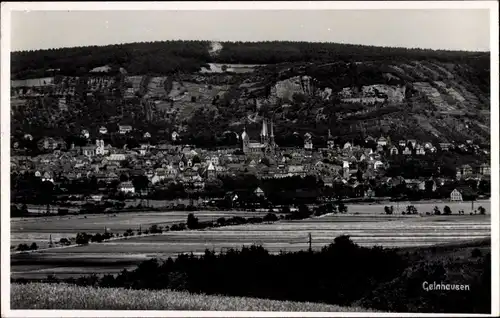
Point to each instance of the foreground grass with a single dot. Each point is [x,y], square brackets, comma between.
[63,296]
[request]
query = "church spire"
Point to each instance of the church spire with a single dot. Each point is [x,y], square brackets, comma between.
[263,132]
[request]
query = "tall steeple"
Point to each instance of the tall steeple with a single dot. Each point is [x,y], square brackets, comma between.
[330,142]
[271,140]
[263,133]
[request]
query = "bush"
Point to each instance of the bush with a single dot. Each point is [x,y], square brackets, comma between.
[82,238]
[254,220]
[62,211]
[270,217]
[476,253]
[411,209]
[285,209]
[23,247]
[482,210]
[342,207]
[192,221]
[446,210]
[33,246]
[97,238]
[436,211]
[64,241]
[221,221]
[155,229]
[388,210]
[303,211]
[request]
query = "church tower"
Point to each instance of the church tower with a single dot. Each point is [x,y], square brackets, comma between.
[330,142]
[264,137]
[308,145]
[245,140]
[271,140]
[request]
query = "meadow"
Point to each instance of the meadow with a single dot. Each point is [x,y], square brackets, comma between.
[367,225]
[62,296]
[40,229]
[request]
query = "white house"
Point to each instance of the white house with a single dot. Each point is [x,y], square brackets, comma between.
[382,141]
[308,145]
[147,135]
[420,151]
[103,130]
[407,151]
[378,164]
[123,129]
[456,195]
[86,134]
[175,136]
[127,187]
[99,147]
[259,192]
[394,151]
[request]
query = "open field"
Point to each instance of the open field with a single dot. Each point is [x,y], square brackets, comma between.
[31,229]
[62,296]
[368,228]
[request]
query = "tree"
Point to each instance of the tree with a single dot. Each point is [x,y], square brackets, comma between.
[437,211]
[387,210]
[140,183]
[82,238]
[411,209]
[342,207]
[33,246]
[446,210]
[47,191]
[304,211]
[285,209]
[196,159]
[97,238]
[270,217]
[192,221]
[482,210]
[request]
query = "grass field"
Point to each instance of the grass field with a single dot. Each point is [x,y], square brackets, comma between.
[61,296]
[365,224]
[39,230]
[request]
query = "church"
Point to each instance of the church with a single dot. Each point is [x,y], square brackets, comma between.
[266,144]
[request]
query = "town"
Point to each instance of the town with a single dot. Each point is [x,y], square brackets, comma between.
[377,168]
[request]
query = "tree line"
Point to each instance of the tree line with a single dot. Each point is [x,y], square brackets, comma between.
[168,57]
[341,273]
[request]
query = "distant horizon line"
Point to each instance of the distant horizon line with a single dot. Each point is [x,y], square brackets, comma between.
[251,41]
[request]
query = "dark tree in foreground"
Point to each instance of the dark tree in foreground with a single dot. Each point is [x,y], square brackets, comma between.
[437,211]
[192,221]
[446,210]
[482,210]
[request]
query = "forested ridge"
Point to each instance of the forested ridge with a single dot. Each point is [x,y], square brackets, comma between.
[218,102]
[166,57]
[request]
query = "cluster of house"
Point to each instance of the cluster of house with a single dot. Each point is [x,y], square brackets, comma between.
[194,167]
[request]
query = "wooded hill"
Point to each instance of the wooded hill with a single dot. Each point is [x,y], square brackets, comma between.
[400,93]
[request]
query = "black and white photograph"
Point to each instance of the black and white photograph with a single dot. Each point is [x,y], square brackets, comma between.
[249,158]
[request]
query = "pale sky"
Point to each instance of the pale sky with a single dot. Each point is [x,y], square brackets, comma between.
[451,29]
